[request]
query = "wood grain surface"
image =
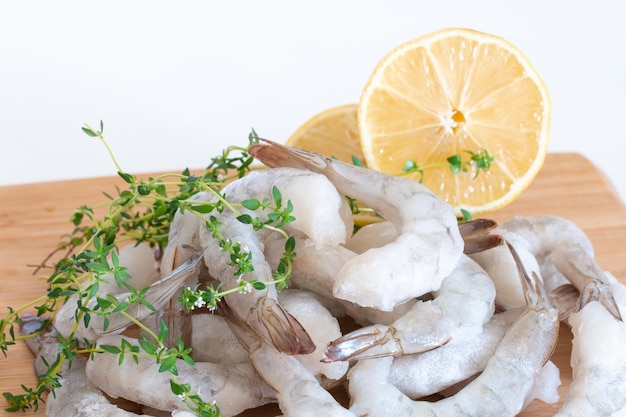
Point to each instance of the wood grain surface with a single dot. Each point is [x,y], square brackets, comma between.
[33,216]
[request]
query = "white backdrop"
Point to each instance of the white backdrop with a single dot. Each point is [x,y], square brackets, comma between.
[175,82]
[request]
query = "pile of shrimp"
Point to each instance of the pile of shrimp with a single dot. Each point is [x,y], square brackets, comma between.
[413,315]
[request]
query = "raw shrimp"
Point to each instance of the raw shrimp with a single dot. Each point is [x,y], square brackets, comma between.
[460,308]
[324,225]
[598,385]
[213,341]
[299,393]
[476,236]
[427,373]
[428,245]
[76,396]
[321,326]
[315,268]
[500,390]
[564,253]
[234,386]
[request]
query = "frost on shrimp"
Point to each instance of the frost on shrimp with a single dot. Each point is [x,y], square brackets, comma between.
[428,245]
[458,311]
[322,224]
[499,391]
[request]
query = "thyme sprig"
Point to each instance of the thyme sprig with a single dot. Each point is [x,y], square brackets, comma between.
[480,160]
[142,213]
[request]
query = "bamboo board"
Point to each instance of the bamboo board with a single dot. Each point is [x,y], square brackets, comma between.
[33,216]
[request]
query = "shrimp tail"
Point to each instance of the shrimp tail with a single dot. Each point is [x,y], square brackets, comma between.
[566,298]
[596,290]
[361,343]
[594,285]
[534,291]
[368,342]
[477,237]
[285,331]
[159,294]
[269,321]
[537,297]
[275,155]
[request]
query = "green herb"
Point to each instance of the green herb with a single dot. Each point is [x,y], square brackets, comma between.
[480,161]
[142,213]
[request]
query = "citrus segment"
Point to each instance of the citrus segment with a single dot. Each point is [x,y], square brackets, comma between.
[333,132]
[453,91]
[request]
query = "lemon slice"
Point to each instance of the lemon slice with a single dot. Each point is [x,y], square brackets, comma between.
[452,91]
[333,132]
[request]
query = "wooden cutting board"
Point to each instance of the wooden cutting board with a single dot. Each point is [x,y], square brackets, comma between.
[33,216]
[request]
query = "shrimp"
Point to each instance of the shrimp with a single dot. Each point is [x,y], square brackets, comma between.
[428,245]
[476,236]
[322,327]
[564,253]
[598,385]
[233,386]
[76,395]
[598,362]
[299,393]
[427,373]
[213,341]
[460,308]
[315,268]
[323,224]
[500,390]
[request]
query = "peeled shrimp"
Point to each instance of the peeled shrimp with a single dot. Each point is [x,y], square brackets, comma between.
[458,311]
[76,396]
[499,263]
[315,268]
[325,224]
[427,373]
[213,341]
[598,385]
[428,245]
[321,326]
[476,236]
[500,390]
[299,393]
[235,387]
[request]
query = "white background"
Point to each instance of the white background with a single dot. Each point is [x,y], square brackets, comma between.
[175,82]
